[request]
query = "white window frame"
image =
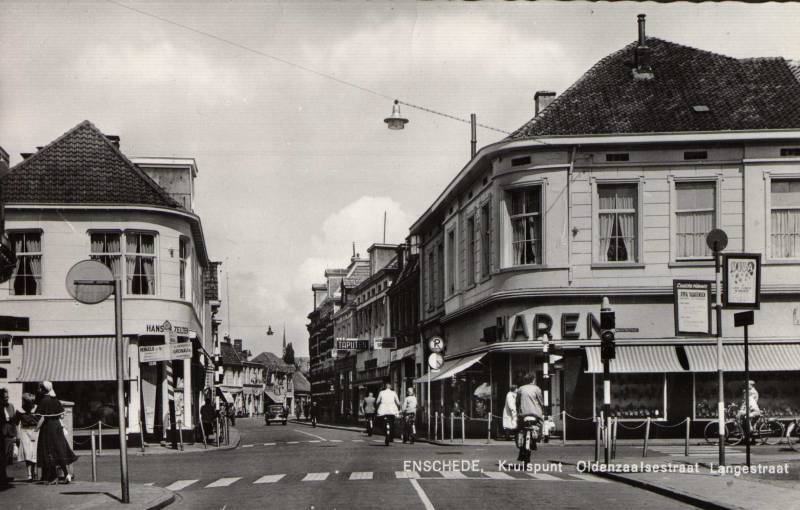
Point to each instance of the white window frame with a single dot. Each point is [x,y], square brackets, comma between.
[673,211]
[185,270]
[768,178]
[5,347]
[451,261]
[597,259]
[40,254]
[485,239]
[470,248]
[507,230]
[123,256]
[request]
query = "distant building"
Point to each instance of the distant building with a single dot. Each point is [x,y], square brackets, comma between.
[278,386]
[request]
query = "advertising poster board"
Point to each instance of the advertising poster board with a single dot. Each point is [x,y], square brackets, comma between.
[692,307]
[742,280]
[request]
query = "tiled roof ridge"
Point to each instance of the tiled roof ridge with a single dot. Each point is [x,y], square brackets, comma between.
[88,124]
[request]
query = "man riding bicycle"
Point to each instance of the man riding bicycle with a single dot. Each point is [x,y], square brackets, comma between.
[368,410]
[409,416]
[388,407]
[755,411]
[529,416]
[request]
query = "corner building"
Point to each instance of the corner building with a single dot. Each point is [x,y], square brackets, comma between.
[610,190]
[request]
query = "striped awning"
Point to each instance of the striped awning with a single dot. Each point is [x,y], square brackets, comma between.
[636,359]
[70,359]
[763,357]
[451,368]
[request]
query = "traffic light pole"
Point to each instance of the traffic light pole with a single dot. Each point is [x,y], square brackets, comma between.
[546,387]
[607,408]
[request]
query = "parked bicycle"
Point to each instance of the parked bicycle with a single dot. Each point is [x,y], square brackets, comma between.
[763,430]
[793,435]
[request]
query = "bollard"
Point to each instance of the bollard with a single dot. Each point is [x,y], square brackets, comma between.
[141,434]
[217,434]
[435,425]
[452,418]
[597,440]
[563,428]
[462,428]
[488,429]
[686,448]
[442,427]
[100,438]
[614,439]
[180,435]
[646,436]
[227,433]
[94,460]
[203,431]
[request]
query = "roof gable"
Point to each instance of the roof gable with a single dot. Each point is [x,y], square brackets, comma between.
[273,362]
[83,167]
[741,94]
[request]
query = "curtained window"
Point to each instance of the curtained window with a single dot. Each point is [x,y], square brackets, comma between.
[785,219]
[617,222]
[451,263]
[27,279]
[694,217]
[106,248]
[526,226]
[183,256]
[140,263]
[471,250]
[486,239]
[5,346]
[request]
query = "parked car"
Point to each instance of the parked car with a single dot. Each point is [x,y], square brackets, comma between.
[276,412]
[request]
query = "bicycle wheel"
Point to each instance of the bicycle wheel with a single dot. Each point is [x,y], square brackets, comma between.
[793,436]
[733,433]
[770,432]
[711,432]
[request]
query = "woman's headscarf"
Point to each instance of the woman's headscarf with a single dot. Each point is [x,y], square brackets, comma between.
[48,388]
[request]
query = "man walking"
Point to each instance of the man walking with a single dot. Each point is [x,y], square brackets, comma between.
[368,410]
[388,407]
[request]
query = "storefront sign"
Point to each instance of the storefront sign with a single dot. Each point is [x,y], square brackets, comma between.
[385,343]
[165,352]
[166,327]
[402,353]
[516,328]
[351,344]
[742,273]
[692,307]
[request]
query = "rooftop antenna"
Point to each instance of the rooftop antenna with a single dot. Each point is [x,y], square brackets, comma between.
[354,249]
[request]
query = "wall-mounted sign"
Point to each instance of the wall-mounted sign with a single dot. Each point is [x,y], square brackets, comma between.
[165,352]
[166,327]
[388,342]
[692,307]
[742,280]
[351,344]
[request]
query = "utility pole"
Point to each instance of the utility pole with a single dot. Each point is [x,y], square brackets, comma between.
[607,353]
[717,240]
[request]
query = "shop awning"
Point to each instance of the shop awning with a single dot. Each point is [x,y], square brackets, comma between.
[276,399]
[763,357]
[66,359]
[227,397]
[451,368]
[636,359]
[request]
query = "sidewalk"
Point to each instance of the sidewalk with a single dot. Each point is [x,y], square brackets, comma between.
[157,449]
[83,496]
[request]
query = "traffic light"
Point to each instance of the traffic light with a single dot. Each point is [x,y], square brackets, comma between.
[607,326]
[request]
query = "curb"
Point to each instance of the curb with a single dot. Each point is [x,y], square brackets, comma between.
[360,430]
[159,450]
[664,491]
[160,503]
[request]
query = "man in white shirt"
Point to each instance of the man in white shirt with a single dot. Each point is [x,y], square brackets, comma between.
[409,415]
[388,407]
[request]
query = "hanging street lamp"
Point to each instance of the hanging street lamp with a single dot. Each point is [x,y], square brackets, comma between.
[395,120]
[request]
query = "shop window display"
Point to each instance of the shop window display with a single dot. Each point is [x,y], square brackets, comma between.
[633,396]
[777,393]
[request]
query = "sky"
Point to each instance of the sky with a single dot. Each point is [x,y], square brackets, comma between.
[294,165]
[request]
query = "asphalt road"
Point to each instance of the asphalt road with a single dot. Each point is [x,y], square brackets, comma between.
[299,467]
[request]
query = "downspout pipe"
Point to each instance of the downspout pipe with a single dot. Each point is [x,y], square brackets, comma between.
[569,212]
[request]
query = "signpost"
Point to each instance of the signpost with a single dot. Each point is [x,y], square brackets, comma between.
[746,319]
[717,240]
[692,307]
[435,362]
[91,282]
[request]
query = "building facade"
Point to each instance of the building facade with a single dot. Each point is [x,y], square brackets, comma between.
[610,191]
[81,198]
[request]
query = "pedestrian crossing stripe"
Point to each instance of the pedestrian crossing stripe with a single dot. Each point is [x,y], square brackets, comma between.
[269,444]
[224,482]
[248,445]
[269,479]
[358,440]
[335,440]
[314,441]
[400,475]
[292,442]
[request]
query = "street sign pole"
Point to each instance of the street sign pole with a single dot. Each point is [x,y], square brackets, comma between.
[747,431]
[717,240]
[122,426]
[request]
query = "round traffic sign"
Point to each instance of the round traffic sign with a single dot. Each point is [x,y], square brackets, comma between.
[717,239]
[435,361]
[436,344]
[90,282]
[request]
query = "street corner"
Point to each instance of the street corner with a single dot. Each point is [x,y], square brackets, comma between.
[85,496]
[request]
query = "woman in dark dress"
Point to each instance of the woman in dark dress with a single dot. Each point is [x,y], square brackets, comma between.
[52,450]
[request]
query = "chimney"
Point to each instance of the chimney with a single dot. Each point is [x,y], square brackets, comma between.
[642,69]
[543,98]
[114,139]
[237,345]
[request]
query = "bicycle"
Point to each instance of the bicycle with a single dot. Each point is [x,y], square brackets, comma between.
[793,435]
[526,438]
[370,419]
[388,421]
[763,430]
[409,427]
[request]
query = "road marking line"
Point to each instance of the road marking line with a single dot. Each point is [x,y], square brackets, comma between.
[406,474]
[497,475]
[312,435]
[248,445]
[543,476]
[150,484]
[453,475]
[361,475]
[315,477]
[180,485]
[224,482]
[422,496]
[292,442]
[269,479]
[269,444]
[588,478]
